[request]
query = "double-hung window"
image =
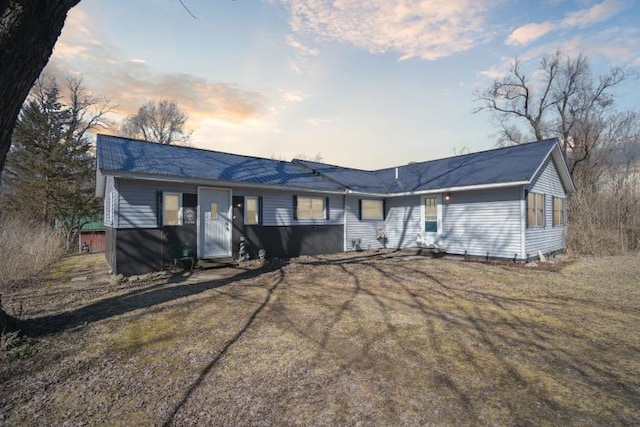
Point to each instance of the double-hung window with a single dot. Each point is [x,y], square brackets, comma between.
[535,209]
[251,211]
[172,209]
[371,209]
[310,207]
[559,209]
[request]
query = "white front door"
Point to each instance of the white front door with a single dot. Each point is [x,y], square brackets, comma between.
[432,219]
[214,223]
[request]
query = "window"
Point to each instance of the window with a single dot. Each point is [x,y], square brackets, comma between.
[214,211]
[431,214]
[251,210]
[535,210]
[172,209]
[310,207]
[371,209]
[559,209]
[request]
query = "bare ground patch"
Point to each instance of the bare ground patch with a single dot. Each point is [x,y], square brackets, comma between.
[330,341]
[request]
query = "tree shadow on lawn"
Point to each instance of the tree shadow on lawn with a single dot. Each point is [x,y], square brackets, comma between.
[499,340]
[145,297]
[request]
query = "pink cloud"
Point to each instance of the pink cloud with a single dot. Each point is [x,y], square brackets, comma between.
[530,32]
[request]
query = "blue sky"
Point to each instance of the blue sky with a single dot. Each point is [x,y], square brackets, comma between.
[367,84]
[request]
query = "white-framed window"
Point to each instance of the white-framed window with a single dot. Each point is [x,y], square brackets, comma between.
[559,211]
[535,209]
[172,208]
[310,207]
[371,209]
[251,211]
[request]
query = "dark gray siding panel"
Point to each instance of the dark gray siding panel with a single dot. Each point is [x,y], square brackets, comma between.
[286,242]
[548,238]
[110,252]
[483,221]
[140,251]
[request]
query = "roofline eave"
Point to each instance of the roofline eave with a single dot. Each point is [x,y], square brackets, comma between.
[441,189]
[215,183]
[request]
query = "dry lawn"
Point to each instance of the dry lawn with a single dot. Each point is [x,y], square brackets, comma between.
[321,341]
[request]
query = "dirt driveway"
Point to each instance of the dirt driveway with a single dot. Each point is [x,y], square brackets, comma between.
[331,341]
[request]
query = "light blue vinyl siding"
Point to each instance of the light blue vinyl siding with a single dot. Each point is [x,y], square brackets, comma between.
[137,201]
[403,221]
[363,230]
[277,207]
[110,197]
[548,238]
[483,221]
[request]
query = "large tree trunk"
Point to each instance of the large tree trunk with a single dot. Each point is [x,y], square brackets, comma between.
[28,31]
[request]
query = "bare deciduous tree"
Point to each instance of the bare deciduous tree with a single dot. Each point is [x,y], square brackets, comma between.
[563,99]
[161,122]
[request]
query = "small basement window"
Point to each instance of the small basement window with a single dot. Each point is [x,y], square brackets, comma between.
[310,208]
[535,210]
[172,209]
[559,209]
[251,211]
[371,209]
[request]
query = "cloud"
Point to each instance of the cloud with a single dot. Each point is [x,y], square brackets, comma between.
[427,29]
[582,18]
[530,32]
[301,48]
[291,96]
[597,13]
[615,45]
[130,82]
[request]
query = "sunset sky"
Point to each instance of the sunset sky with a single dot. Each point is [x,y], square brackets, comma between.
[367,84]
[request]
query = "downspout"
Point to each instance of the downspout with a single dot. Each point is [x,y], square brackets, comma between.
[523,223]
[344,222]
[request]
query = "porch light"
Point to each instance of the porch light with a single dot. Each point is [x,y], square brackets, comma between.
[447,197]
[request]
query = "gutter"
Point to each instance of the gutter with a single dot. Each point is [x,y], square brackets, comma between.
[219,183]
[346,191]
[442,189]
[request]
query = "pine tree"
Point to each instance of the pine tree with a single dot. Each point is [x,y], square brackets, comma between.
[50,172]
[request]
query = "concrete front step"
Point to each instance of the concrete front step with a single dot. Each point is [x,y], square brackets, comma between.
[204,263]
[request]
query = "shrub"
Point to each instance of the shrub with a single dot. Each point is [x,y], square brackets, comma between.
[26,249]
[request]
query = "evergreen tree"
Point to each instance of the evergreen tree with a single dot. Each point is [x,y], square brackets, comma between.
[50,170]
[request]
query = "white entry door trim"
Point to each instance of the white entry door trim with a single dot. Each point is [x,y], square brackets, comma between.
[214,222]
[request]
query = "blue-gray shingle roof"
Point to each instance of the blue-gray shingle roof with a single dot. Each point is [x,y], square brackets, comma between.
[123,155]
[502,165]
[512,164]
